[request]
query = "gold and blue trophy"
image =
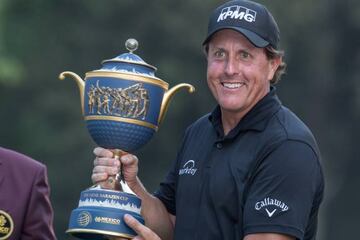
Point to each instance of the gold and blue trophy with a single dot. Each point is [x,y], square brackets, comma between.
[123,104]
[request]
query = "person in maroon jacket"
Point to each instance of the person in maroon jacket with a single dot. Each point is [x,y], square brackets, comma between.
[25,209]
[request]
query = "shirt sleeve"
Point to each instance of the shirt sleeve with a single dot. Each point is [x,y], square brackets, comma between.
[283,191]
[167,190]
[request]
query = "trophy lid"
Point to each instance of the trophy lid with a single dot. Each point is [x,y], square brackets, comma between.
[129,62]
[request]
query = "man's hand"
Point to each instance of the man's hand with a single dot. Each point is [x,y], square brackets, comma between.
[105,165]
[144,233]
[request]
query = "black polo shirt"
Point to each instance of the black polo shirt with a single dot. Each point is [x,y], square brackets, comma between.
[264,176]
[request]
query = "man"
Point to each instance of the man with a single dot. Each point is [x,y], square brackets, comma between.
[248,170]
[25,208]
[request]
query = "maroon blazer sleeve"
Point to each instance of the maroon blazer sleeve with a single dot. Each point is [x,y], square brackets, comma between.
[39,215]
[24,196]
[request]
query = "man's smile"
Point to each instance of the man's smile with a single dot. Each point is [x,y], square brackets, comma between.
[234,85]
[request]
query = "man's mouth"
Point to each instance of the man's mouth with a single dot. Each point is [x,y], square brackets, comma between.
[232,85]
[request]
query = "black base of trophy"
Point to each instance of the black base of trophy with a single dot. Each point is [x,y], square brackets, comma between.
[100,214]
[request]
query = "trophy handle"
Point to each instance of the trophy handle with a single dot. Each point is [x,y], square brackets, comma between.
[80,83]
[168,96]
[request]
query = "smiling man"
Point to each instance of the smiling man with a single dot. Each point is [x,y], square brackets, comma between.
[248,170]
[238,75]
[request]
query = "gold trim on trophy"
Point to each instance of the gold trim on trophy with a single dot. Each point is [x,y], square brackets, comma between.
[129,76]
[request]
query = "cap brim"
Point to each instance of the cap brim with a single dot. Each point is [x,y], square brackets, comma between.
[252,37]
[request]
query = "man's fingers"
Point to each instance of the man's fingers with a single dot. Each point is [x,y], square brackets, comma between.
[142,231]
[133,223]
[102,152]
[105,161]
[105,169]
[129,159]
[99,177]
[138,238]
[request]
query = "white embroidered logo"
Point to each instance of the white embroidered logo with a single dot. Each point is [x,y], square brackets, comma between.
[270,213]
[188,168]
[237,12]
[271,205]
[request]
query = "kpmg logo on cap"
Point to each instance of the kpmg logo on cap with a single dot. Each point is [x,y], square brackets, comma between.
[237,12]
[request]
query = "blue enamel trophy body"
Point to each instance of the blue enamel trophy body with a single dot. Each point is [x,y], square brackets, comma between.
[123,104]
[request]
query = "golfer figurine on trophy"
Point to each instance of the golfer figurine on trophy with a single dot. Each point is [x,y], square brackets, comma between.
[123,104]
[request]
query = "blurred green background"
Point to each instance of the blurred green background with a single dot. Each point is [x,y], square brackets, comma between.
[41,116]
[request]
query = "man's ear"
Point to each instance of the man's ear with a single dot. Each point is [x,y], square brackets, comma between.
[274,64]
[206,50]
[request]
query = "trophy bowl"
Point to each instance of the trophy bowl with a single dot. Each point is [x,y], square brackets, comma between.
[123,104]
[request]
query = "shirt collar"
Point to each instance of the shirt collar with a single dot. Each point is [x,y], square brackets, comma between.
[256,119]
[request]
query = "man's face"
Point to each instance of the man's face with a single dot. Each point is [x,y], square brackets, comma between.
[238,73]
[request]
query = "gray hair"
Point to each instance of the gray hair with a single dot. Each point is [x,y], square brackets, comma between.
[272,53]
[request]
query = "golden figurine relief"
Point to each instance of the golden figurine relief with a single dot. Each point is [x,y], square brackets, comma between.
[130,102]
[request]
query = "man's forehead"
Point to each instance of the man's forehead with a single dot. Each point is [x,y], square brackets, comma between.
[230,36]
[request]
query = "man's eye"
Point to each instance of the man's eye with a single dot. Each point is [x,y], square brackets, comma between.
[245,55]
[219,54]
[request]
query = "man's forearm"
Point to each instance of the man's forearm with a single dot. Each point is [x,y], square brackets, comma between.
[155,214]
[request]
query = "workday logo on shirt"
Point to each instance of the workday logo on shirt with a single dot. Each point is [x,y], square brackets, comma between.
[188,168]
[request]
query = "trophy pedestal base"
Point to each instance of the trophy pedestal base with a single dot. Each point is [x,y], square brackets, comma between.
[100,215]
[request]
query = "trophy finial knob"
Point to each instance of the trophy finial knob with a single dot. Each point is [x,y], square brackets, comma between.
[131,44]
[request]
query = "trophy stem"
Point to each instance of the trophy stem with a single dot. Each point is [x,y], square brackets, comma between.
[120,176]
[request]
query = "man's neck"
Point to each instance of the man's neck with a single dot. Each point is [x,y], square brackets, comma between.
[231,119]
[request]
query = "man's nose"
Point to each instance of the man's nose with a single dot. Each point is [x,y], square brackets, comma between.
[232,66]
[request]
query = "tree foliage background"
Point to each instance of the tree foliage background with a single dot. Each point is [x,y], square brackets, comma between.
[41,116]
